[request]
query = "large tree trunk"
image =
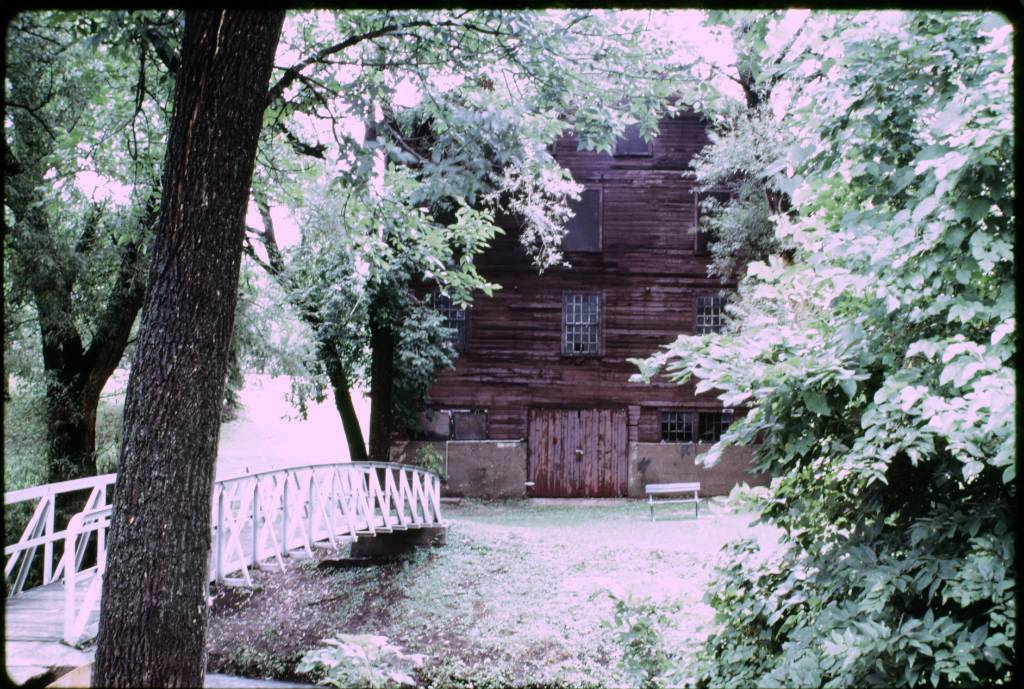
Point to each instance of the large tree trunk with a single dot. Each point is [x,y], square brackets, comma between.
[70,428]
[154,610]
[382,375]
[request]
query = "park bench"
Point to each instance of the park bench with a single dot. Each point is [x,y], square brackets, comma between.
[673,492]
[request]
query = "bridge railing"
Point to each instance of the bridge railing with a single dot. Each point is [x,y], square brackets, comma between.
[256,520]
[40,531]
[77,610]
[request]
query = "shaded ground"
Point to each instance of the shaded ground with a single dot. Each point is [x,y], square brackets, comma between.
[515,597]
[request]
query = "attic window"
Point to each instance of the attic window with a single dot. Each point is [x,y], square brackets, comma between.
[709,316]
[583,231]
[631,143]
[454,319]
[581,318]
[703,235]
[713,425]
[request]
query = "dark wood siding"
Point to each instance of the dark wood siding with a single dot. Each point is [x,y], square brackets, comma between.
[646,272]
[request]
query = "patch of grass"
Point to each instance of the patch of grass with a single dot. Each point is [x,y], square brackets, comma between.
[509,601]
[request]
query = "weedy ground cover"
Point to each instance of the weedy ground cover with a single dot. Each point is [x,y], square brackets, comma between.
[517,597]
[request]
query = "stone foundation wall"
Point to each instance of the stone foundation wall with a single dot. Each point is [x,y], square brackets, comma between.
[476,468]
[497,468]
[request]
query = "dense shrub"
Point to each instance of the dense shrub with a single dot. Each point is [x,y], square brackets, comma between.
[878,366]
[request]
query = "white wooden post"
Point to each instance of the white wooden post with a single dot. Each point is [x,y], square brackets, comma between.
[309,516]
[48,548]
[70,567]
[255,521]
[219,545]
[284,514]
[101,535]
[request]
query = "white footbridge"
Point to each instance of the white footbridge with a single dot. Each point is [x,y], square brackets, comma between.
[257,521]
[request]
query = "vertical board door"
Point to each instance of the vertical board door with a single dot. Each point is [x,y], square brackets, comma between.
[577,452]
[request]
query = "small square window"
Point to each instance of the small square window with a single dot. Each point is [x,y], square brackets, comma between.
[469,424]
[713,425]
[454,319]
[709,318]
[677,426]
[581,318]
[583,231]
[703,235]
[631,143]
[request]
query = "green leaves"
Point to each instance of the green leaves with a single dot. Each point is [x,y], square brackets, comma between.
[877,364]
[816,402]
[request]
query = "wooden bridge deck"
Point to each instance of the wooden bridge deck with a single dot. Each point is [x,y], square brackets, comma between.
[34,629]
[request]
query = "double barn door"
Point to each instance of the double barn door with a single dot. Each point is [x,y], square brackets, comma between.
[577,452]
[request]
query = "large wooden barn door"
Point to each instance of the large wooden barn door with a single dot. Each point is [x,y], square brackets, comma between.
[577,452]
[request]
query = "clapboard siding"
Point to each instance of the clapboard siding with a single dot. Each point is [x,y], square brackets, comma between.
[646,272]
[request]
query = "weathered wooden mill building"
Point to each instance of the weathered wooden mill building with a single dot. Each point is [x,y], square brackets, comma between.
[539,402]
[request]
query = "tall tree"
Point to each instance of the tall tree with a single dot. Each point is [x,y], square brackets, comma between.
[747,139]
[78,264]
[154,610]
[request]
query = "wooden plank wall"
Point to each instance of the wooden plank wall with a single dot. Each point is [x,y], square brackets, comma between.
[598,436]
[648,275]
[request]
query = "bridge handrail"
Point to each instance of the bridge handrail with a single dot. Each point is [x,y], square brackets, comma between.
[40,529]
[22,494]
[277,512]
[328,462]
[76,615]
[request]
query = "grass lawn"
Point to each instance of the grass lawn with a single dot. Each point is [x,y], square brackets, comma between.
[515,598]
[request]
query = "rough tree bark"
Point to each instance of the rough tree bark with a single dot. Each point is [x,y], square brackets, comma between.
[154,610]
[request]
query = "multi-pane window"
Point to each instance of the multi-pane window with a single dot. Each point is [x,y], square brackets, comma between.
[712,425]
[452,424]
[709,316]
[689,427]
[581,318]
[703,202]
[631,143]
[454,319]
[583,231]
[677,426]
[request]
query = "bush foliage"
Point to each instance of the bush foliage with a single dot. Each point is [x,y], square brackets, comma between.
[878,366]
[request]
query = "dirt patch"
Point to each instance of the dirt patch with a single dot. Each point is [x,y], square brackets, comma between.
[265,630]
[518,597]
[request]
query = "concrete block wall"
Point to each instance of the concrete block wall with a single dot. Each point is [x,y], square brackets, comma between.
[497,468]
